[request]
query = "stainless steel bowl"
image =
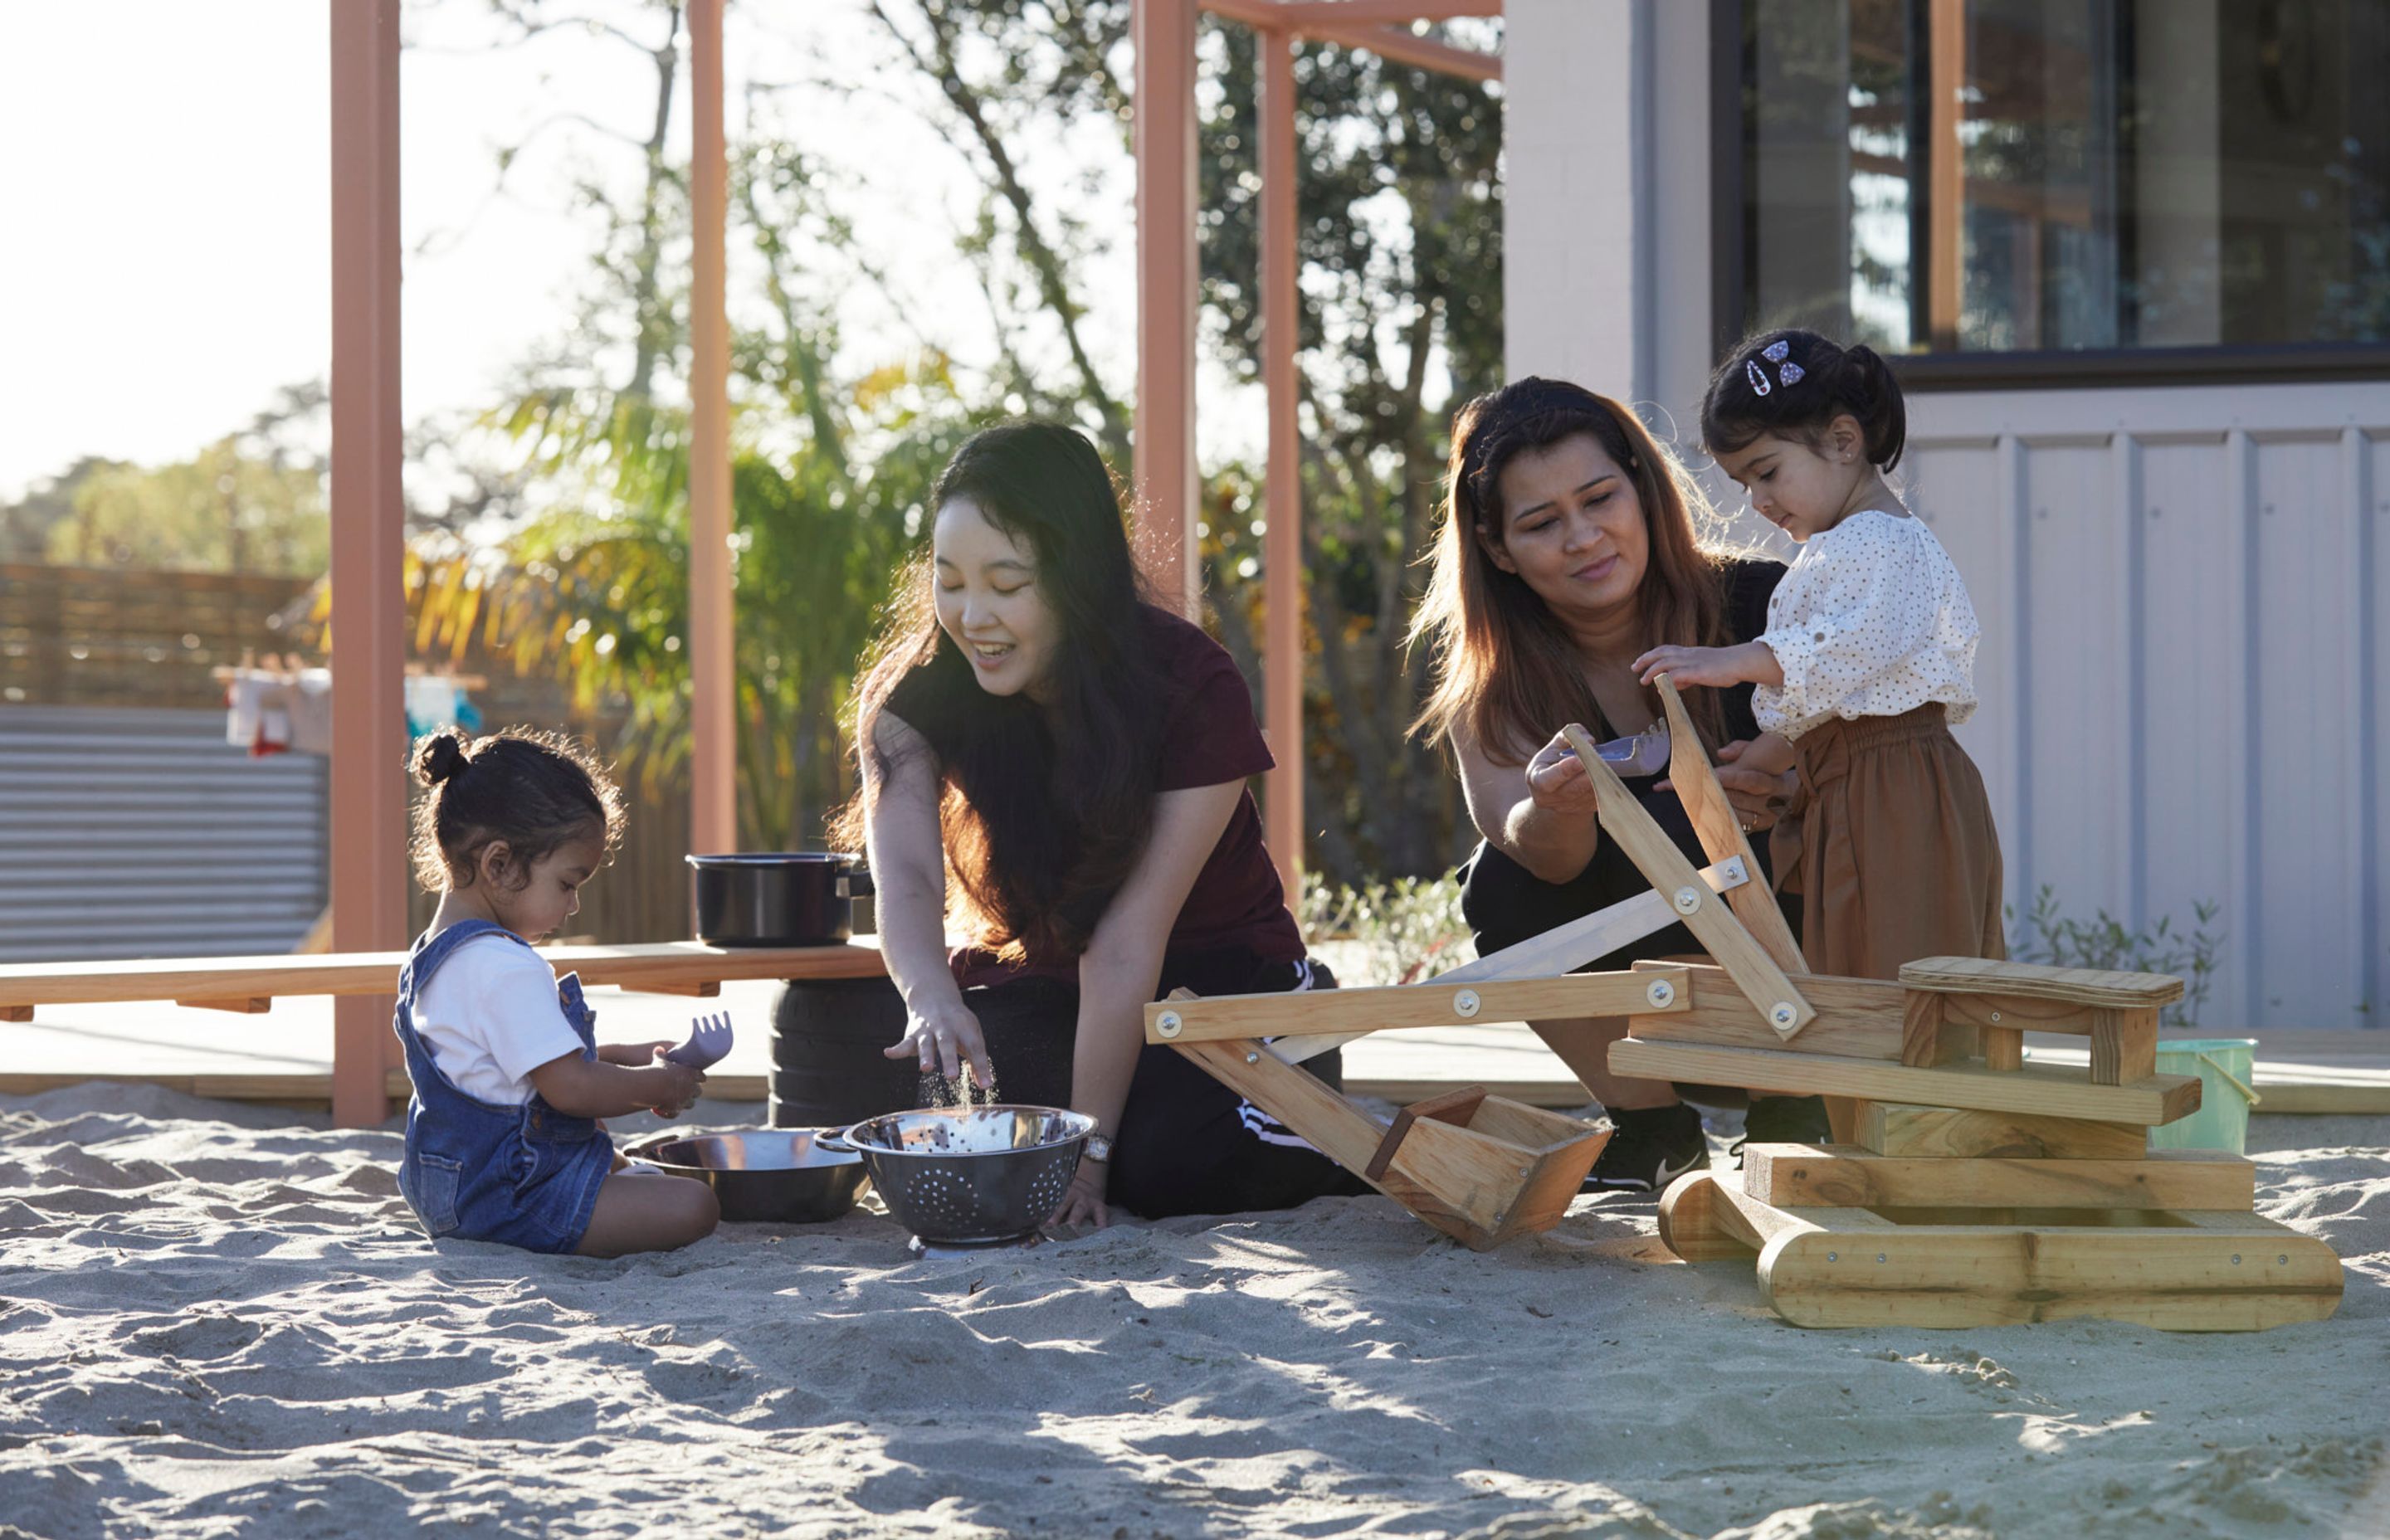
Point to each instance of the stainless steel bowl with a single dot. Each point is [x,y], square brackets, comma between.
[771,1176]
[969,1176]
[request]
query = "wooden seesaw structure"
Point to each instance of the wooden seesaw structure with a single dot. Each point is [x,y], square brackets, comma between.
[1978,1189]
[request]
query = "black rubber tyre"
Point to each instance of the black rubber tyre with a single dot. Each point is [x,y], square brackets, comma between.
[827,1037]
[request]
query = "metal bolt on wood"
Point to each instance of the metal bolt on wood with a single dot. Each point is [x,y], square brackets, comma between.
[1466,1003]
[1782,1014]
[1168,1025]
[1662,994]
[1252,1059]
[1687,900]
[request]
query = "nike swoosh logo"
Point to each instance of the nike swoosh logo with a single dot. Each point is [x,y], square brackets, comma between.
[1666,1176]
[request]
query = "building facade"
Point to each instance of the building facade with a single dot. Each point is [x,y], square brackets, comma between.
[2132,261]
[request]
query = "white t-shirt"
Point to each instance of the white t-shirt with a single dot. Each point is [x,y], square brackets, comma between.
[1872,620]
[490,1017]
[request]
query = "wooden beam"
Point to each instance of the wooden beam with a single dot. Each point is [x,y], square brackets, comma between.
[1792,1175]
[368,516]
[1405,47]
[1282,493]
[1623,821]
[1164,32]
[713,664]
[1856,1018]
[240,1004]
[1930,1035]
[1945,254]
[657,966]
[1222,1017]
[2035,1089]
[1951,1132]
[1719,828]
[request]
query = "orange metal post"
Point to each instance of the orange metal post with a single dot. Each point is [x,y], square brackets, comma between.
[713,700]
[368,784]
[1282,550]
[1946,174]
[1165,287]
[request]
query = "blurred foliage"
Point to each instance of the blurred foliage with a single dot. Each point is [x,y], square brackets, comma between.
[2051,936]
[1401,931]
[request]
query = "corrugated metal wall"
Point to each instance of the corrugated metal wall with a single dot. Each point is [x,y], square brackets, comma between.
[2186,687]
[135,833]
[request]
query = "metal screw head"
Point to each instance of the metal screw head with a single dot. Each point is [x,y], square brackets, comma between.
[1781,1014]
[2284,1259]
[1168,1023]
[2236,1259]
[1252,1059]
[1879,1256]
[1831,1257]
[1662,994]
[1465,1003]
[1996,1017]
[1687,900]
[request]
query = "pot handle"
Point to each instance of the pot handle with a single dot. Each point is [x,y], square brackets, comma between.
[858,882]
[835,1139]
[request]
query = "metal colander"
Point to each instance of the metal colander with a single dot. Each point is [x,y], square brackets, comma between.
[969,1176]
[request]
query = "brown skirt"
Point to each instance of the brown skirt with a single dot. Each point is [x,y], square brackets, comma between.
[1890,843]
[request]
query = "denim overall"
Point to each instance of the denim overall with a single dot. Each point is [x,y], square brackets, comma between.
[522,1175]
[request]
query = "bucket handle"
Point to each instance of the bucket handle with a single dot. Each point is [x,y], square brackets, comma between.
[2238,1083]
[835,1139]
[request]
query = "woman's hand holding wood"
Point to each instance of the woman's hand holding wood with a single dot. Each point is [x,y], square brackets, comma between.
[1759,791]
[1557,780]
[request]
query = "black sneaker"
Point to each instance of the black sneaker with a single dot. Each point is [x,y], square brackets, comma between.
[1783,1120]
[1652,1147]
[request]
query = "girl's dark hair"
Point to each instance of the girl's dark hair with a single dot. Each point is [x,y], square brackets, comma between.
[1046,806]
[1792,384]
[535,790]
[1506,672]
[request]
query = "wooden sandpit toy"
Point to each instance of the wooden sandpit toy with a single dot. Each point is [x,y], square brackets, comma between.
[1970,1189]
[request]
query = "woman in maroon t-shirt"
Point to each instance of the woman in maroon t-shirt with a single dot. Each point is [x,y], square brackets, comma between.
[1056,769]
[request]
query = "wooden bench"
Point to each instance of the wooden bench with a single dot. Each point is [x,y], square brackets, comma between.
[365,1073]
[1959,1007]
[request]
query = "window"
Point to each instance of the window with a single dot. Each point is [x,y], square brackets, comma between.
[1947,178]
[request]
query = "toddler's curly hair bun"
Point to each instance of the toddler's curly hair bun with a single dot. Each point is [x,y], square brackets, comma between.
[440,759]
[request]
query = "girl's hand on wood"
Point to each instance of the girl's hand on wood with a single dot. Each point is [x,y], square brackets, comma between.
[1688,665]
[1556,781]
[942,1039]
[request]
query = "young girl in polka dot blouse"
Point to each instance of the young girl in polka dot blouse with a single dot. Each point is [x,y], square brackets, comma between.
[1868,662]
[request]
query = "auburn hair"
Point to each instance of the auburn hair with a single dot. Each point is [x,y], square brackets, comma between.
[1505,672]
[1044,804]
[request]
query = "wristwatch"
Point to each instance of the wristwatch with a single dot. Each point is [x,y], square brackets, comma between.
[1099,1149]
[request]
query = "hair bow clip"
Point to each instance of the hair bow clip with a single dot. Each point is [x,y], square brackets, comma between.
[1779,353]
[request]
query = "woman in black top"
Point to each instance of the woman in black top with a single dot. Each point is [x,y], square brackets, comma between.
[1568,550]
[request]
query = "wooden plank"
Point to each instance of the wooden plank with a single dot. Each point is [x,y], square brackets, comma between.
[2124,1045]
[1947,1132]
[706,990]
[2035,1088]
[1498,1189]
[2081,987]
[645,966]
[1797,1176]
[2174,1277]
[1573,944]
[1450,1107]
[2003,1049]
[16,1013]
[1361,1011]
[1930,1035]
[1657,858]
[1719,828]
[2014,1012]
[240,1004]
[1856,1018]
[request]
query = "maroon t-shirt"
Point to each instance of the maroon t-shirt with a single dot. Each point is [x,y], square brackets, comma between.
[1209,737]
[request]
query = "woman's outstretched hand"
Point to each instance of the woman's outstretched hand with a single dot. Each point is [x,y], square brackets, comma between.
[1557,780]
[1083,1206]
[942,1038]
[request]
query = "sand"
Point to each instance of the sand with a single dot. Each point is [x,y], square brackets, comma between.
[222,1321]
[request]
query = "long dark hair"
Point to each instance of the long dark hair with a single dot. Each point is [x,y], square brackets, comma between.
[1506,672]
[1044,807]
[535,790]
[1792,384]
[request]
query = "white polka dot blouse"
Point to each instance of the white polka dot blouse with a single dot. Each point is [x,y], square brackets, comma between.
[1872,620]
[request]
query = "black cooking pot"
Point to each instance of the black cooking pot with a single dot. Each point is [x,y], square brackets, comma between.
[783,898]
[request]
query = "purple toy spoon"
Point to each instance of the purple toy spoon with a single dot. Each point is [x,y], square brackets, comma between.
[709,1041]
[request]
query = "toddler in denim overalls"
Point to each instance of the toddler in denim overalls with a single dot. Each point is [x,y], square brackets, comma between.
[503,1142]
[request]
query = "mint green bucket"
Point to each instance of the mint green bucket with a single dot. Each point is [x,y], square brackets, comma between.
[2226,1069]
